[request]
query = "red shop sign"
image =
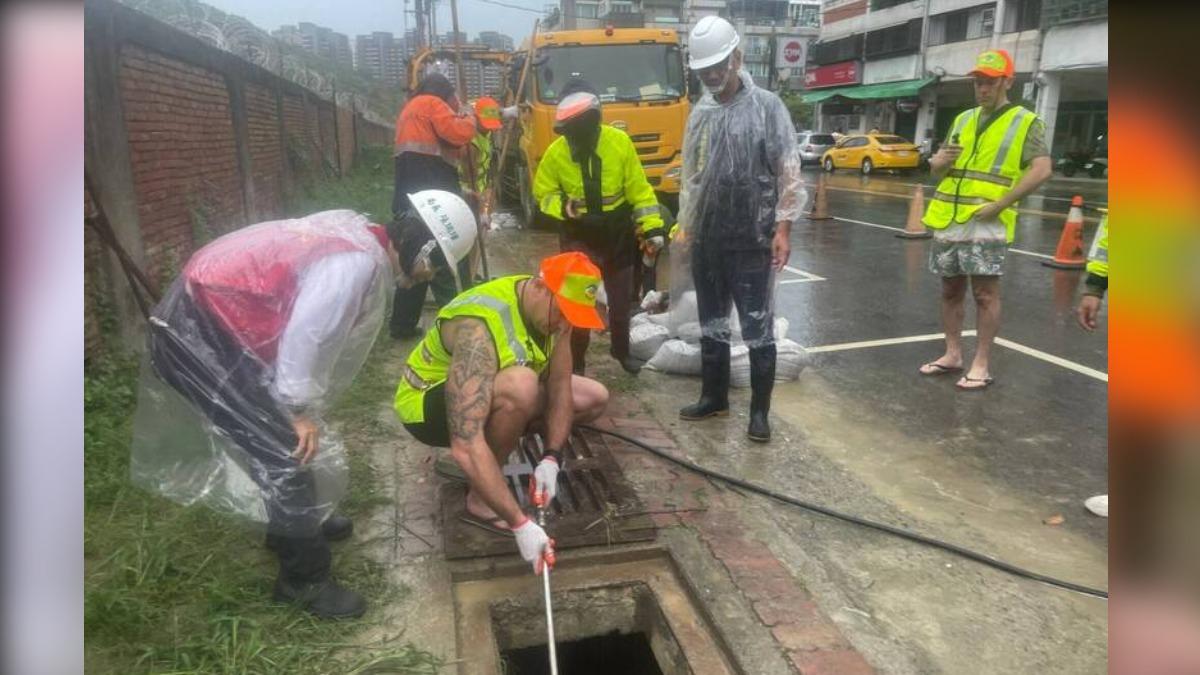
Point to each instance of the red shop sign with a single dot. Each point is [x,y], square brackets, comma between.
[832,75]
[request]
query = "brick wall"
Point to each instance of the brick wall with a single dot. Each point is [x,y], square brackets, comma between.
[266,155]
[345,135]
[312,127]
[181,143]
[184,144]
[326,126]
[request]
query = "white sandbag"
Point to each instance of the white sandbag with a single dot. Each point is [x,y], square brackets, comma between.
[790,360]
[781,328]
[654,301]
[645,339]
[677,358]
[689,332]
[663,319]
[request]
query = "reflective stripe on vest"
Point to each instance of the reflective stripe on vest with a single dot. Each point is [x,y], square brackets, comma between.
[988,167]
[504,311]
[495,303]
[623,180]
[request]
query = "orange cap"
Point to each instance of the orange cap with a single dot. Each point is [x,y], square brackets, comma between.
[488,112]
[993,63]
[574,281]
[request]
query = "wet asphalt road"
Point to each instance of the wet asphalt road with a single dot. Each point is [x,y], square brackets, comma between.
[1041,429]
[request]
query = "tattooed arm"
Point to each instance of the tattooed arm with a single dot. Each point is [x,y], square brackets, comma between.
[473,366]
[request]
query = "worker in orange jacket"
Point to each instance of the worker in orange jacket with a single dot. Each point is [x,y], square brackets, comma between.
[432,134]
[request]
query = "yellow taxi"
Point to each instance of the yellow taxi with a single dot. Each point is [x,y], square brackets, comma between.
[869,152]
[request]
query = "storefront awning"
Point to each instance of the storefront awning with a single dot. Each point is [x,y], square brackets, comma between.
[866,92]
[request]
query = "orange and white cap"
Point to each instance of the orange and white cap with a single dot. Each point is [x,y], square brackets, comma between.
[993,63]
[574,280]
[488,112]
[573,106]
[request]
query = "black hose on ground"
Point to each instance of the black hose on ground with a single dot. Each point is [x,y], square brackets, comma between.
[826,511]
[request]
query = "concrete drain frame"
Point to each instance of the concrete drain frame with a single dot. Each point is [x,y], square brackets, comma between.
[499,609]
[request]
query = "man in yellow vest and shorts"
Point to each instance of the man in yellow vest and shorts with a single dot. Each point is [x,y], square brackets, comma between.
[497,359]
[996,154]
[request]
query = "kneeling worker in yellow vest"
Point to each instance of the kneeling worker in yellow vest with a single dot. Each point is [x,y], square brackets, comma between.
[497,359]
[996,155]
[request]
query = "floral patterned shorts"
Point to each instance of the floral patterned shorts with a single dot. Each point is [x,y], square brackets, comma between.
[971,249]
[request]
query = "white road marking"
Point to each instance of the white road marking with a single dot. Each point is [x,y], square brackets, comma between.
[863,222]
[1003,342]
[900,229]
[884,342]
[1050,358]
[785,282]
[808,276]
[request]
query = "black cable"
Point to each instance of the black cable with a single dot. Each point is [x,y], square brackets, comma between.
[823,510]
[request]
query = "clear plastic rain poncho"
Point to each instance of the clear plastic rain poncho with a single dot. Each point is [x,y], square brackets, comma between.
[267,323]
[741,175]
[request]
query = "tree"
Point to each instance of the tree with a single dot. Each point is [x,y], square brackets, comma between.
[803,114]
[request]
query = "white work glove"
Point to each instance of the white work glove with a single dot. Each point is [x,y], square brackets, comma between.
[509,113]
[536,548]
[654,244]
[545,478]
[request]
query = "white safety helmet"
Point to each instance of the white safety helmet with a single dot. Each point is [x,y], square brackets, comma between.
[712,39]
[450,221]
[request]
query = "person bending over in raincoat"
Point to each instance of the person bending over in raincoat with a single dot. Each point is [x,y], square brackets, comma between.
[264,327]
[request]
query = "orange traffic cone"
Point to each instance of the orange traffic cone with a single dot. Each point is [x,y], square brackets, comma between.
[914,228]
[1069,254]
[820,210]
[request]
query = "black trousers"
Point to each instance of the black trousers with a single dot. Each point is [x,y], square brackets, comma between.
[228,386]
[407,302]
[616,269]
[726,279]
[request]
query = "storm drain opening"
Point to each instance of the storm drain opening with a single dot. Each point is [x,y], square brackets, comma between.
[601,655]
[628,613]
[610,629]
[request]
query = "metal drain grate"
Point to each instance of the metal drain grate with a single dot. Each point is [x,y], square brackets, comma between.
[595,505]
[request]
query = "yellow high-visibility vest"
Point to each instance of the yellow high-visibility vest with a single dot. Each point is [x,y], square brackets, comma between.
[496,304]
[988,168]
[623,180]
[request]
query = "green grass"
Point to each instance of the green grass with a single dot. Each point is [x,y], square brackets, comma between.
[170,589]
[367,188]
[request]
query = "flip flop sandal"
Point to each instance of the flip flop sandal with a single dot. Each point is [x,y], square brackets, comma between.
[987,382]
[493,525]
[938,369]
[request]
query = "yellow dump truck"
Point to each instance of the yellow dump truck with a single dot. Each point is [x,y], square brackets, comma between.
[640,75]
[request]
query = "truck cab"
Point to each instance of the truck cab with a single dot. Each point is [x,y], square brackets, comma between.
[639,73]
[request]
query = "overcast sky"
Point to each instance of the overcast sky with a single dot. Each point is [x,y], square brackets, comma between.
[358,17]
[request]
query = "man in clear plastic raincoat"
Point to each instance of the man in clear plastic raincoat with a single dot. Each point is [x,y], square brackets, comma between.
[249,347]
[741,191]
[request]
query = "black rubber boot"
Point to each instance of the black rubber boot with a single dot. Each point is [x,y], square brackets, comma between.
[337,528]
[762,382]
[631,365]
[714,392]
[325,599]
